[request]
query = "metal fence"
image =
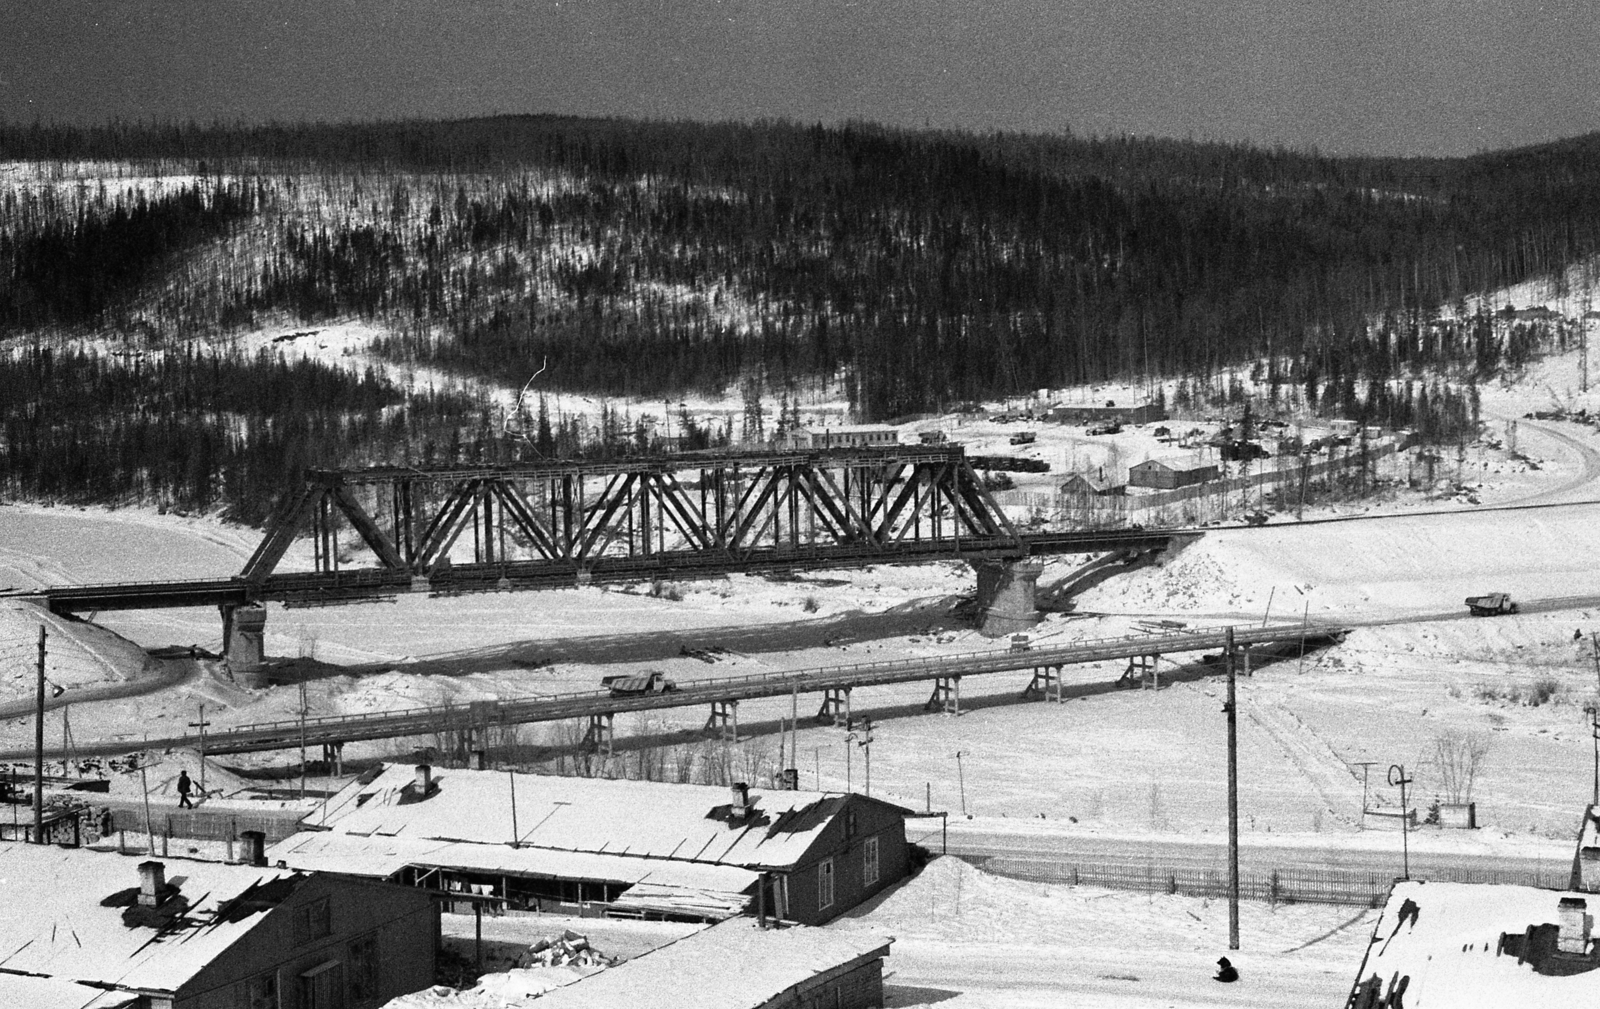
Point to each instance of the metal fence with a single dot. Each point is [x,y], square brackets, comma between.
[1288,885]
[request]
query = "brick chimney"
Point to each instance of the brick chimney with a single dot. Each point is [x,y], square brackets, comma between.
[739,806]
[424,779]
[152,880]
[1574,922]
[254,848]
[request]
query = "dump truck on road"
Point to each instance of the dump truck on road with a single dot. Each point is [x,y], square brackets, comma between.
[1492,605]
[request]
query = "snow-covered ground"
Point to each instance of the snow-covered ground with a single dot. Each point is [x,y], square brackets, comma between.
[967,939]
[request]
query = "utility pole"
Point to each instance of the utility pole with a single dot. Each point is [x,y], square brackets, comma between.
[1233,793]
[302,739]
[38,748]
[961,779]
[1594,730]
[1397,776]
[516,838]
[863,739]
[201,725]
[1366,766]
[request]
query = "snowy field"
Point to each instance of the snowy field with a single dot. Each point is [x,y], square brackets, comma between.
[968,940]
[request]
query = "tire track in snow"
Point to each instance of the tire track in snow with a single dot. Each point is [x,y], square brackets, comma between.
[1313,758]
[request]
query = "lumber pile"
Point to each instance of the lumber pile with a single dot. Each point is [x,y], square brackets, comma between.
[569,949]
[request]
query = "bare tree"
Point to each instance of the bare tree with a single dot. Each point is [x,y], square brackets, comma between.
[1459,756]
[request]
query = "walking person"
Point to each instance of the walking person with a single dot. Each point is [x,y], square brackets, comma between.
[184,785]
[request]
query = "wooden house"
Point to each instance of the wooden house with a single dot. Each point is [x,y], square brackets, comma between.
[606,847]
[1158,475]
[1479,944]
[1141,413]
[177,934]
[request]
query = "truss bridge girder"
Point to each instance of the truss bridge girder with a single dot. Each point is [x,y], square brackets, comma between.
[726,511]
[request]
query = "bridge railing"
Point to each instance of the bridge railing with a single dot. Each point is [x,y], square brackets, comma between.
[1183,639]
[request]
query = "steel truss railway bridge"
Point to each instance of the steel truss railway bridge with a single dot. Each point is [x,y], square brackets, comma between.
[382,531]
[471,723]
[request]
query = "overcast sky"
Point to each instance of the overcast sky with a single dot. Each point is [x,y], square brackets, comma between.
[1348,76]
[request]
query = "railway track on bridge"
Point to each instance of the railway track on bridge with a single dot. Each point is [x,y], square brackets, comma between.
[310,588]
[478,716]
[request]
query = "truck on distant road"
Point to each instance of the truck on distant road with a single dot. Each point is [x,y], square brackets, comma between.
[1492,605]
[649,682]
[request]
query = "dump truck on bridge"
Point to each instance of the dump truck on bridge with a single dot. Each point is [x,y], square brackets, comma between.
[649,682]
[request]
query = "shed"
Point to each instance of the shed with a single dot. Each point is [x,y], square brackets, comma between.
[847,436]
[737,965]
[1169,475]
[1141,413]
[594,845]
[1472,944]
[1087,485]
[197,934]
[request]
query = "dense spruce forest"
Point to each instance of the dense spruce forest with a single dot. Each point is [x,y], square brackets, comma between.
[916,269]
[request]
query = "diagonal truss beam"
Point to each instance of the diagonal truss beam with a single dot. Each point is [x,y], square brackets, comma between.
[367,528]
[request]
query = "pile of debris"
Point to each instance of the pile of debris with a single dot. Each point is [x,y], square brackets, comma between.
[569,949]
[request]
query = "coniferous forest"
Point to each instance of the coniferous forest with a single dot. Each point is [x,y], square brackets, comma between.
[913,269]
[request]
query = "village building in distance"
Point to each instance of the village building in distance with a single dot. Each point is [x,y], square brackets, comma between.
[601,846]
[1169,475]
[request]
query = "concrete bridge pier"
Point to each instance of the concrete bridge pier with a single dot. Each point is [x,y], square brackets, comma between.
[1007,600]
[243,628]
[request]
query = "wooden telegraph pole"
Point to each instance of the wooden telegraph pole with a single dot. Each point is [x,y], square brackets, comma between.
[1233,794]
[38,748]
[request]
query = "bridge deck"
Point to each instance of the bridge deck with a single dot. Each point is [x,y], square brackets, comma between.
[312,587]
[556,707]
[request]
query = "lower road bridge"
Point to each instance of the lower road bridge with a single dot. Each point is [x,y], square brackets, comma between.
[375,533]
[722,695]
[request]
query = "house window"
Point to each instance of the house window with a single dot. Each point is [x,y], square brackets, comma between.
[262,992]
[869,861]
[364,970]
[312,921]
[825,884]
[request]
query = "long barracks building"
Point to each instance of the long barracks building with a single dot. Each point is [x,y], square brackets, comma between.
[600,846]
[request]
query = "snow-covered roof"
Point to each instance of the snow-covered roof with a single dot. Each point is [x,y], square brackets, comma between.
[734,965]
[50,993]
[57,923]
[378,855]
[1460,944]
[851,429]
[688,823]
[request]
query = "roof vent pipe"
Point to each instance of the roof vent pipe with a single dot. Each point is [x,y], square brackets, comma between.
[152,880]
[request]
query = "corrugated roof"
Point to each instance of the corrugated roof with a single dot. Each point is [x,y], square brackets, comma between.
[734,965]
[381,856]
[56,925]
[1443,941]
[643,818]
